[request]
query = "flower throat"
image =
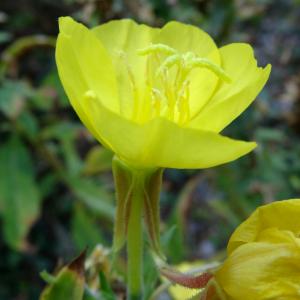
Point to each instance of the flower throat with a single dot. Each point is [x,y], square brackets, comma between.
[171,99]
[166,91]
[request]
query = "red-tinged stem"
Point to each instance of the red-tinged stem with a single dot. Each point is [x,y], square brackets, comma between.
[187,280]
[209,293]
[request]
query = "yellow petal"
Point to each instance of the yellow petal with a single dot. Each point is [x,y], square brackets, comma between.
[188,38]
[76,43]
[83,65]
[230,100]
[161,143]
[122,39]
[277,236]
[283,215]
[185,38]
[126,35]
[261,271]
[182,148]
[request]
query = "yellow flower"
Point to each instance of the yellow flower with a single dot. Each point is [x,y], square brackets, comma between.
[264,255]
[158,97]
[263,259]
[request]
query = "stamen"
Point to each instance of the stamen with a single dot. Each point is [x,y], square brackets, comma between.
[155,48]
[148,72]
[171,99]
[158,98]
[182,92]
[169,93]
[188,56]
[205,63]
[169,62]
[183,102]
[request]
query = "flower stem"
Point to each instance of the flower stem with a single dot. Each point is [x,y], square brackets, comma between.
[135,243]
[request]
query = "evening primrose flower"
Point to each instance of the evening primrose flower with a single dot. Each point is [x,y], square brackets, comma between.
[263,260]
[264,255]
[158,97]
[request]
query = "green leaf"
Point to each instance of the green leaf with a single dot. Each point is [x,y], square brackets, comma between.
[93,196]
[73,162]
[52,80]
[106,290]
[29,124]
[5,37]
[172,243]
[151,275]
[61,130]
[68,284]
[66,133]
[98,160]
[12,98]
[19,194]
[84,229]
[47,277]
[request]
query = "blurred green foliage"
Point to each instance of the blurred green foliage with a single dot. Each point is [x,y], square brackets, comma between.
[56,189]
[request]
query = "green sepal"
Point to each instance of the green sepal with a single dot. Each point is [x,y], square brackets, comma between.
[124,186]
[129,181]
[152,188]
[69,282]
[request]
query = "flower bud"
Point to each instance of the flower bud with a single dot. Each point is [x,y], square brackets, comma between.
[264,255]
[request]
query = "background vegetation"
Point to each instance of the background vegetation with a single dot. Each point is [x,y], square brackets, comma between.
[56,189]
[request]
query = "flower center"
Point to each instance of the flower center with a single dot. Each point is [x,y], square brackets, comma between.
[167,78]
[165,91]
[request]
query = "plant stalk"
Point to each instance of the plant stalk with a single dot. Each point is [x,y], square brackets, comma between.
[135,242]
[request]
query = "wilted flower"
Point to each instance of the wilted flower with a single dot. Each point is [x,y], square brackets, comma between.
[158,97]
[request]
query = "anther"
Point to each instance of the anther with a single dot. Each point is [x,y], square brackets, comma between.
[155,48]
[205,63]
[188,56]
[157,94]
[169,63]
